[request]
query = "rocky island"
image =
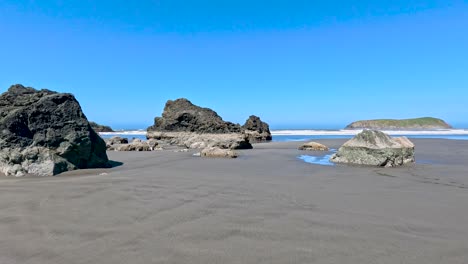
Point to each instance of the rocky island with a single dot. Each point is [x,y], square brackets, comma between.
[45,133]
[423,123]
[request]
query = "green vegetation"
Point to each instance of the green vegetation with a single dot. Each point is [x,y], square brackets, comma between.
[414,123]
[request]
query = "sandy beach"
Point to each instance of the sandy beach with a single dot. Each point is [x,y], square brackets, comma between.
[267,206]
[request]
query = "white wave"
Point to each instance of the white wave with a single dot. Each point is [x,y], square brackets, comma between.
[134,132]
[344,132]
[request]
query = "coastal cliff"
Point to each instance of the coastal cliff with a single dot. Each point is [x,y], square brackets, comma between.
[424,123]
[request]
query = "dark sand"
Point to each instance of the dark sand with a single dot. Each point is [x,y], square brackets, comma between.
[265,207]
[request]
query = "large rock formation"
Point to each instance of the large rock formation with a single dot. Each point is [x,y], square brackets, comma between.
[187,125]
[100,128]
[424,123]
[375,148]
[46,133]
[183,116]
[257,130]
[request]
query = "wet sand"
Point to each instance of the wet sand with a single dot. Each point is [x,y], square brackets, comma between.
[265,207]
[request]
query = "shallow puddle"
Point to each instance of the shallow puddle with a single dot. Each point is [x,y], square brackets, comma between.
[320,160]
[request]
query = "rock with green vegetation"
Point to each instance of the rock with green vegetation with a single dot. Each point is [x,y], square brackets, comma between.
[100,128]
[424,123]
[375,148]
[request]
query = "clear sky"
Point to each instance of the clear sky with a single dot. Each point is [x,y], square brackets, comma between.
[296,64]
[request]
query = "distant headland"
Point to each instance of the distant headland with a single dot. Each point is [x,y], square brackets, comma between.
[423,123]
[100,128]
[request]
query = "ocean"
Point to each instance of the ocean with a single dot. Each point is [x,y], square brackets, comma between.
[311,134]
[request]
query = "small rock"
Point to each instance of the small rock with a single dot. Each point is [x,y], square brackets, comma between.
[314,146]
[215,152]
[117,140]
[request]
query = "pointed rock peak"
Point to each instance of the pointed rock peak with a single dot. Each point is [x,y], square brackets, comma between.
[19,89]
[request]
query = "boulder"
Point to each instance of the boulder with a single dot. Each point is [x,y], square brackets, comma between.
[257,130]
[117,140]
[190,126]
[375,148]
[153,144]
[46,133]
[313,146]
[216,152]
[134,146]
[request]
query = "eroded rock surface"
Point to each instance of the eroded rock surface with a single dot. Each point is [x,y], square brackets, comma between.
[46,133]
[375,148]
[256,130]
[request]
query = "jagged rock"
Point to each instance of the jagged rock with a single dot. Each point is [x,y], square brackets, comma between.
[191,126]
[256,130]
[216,152]
[100,128]
[46,133]
[313,146]
[183,116]
[375,148]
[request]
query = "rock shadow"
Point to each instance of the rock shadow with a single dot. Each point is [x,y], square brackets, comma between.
[114,163]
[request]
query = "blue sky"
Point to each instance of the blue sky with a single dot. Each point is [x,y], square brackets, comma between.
[296,64]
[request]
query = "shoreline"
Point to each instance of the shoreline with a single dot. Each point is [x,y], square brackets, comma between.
[267,206]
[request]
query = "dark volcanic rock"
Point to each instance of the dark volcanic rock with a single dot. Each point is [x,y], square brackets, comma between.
[100,128]
[187,125]
[183,116]
[257,130]
[46,133]
[116,140]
